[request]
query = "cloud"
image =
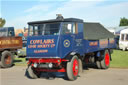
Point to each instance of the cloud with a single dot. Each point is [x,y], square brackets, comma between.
[87,0]
[38,8]
[90,11]
[109,15]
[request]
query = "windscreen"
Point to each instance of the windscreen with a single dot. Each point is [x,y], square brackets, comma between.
[7,31]
[44,29]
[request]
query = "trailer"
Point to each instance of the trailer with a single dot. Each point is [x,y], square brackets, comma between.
[123,41]
[61,46]
[8,46]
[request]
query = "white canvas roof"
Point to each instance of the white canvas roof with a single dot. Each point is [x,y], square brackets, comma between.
[125,31]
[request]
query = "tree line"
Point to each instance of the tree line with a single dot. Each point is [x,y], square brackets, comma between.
[123,22]
[2,22]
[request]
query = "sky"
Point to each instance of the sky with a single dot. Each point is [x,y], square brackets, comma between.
[18,13]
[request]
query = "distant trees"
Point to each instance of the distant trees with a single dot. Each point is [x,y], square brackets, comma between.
[2,22]
[123,22]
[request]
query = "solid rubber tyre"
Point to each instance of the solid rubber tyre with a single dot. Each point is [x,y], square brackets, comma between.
[98,64]
[72,68]
[6,59]
[30,73]
[80,67]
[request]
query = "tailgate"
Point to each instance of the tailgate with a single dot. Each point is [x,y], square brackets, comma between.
[10,43]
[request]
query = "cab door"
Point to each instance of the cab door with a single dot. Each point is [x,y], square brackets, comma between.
[70,40]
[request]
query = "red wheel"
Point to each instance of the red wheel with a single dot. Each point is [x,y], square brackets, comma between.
[73,68]
[106,60]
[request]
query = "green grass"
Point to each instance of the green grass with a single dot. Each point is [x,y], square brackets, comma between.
[119,59]
[20,61]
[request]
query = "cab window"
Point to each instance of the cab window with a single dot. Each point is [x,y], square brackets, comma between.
[31,30]
[44,29]
[69,28]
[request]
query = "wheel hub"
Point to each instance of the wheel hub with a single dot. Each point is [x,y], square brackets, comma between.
[7,59]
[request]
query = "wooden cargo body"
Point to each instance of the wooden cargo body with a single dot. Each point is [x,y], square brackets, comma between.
[10,43]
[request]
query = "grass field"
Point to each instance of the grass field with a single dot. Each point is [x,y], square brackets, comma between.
[119,60]
[20,61]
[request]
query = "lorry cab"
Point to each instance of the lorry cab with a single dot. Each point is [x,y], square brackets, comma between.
[123,41]
[52,38]
[7,32]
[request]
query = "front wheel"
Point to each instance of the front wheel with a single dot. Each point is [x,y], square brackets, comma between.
[80,67]
[73,68]
[30,73]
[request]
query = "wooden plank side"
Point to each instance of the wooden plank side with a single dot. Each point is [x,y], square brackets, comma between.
[10,43]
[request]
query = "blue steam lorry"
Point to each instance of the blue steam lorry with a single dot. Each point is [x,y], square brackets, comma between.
[62,45]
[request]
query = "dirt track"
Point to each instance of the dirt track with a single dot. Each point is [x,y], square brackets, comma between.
[112,76]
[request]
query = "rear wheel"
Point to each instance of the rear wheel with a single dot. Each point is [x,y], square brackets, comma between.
[6,59]
[98,64]
[73,68]
[105,62]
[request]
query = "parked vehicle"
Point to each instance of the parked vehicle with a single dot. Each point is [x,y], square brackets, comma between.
[22,52]
[8,46]
[123,41]
[61,46]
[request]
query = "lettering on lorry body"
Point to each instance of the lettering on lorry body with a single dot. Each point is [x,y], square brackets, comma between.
[40,51]
[103,43]
[8,42]
[78,42]
[93,43]
[111,40]
[46,43]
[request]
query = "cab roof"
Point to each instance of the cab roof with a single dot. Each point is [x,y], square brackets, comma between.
[57,20]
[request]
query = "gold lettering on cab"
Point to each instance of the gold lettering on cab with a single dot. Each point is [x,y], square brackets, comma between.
[40,51]
[46,43]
